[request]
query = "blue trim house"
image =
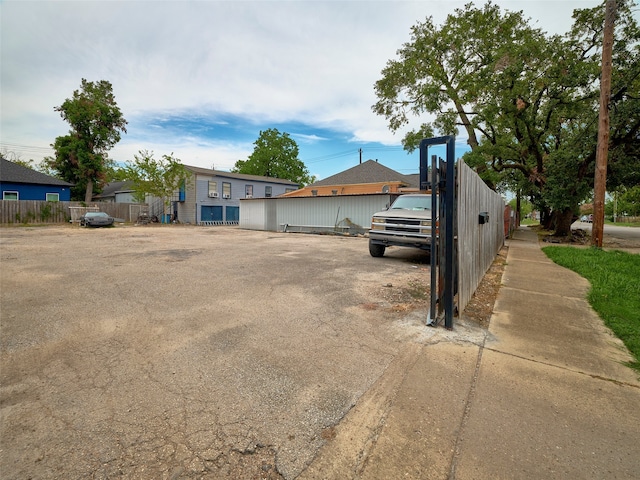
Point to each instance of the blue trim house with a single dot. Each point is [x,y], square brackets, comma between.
[213,196]
[22,183]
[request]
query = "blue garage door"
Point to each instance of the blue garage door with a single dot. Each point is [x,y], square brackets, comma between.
[233,214]
[211,213]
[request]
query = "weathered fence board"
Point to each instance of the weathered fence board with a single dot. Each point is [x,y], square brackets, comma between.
[38,212]
[478,243]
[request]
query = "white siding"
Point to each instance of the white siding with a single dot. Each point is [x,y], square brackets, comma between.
[124,197]
[253,214]
[197,195]
[187,209]
[312,213]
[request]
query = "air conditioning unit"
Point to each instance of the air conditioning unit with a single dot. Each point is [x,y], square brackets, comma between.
[226,196]
[213,194]
[249,196]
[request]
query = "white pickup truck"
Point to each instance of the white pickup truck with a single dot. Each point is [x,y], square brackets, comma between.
[406,223]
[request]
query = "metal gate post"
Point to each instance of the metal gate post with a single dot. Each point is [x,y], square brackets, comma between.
[450,274]
[446,238]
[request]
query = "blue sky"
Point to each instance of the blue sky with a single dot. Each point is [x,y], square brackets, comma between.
[202,79]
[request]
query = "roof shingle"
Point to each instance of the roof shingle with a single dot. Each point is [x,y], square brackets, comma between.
[11,172]
[239,176]
[367,172]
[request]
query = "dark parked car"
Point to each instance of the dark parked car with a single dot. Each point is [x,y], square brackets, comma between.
[96,219]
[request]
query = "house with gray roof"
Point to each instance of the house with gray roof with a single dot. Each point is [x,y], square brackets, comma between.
[22,183]
[369,177]
[117,192]
[343,202]
[212,197]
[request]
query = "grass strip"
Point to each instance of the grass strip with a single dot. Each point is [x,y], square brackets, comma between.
[615,288]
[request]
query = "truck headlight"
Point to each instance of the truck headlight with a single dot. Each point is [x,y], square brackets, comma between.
[377,223]
[425,227]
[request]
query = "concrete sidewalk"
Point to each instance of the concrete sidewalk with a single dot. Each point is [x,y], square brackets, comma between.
[545,396]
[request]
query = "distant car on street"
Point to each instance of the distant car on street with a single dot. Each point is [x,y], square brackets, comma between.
[96,219]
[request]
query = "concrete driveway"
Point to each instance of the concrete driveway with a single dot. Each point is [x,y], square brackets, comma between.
[190,352]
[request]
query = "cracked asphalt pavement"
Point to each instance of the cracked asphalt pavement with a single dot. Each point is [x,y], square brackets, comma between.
[189,352]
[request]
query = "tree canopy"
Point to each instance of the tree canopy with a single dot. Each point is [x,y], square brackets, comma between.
[96,123]
[159,178]
[527,101]
[275,155]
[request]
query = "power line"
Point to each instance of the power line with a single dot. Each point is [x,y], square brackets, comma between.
[25,149]
[30,147]
[331,156]
[394,148]
[355,152]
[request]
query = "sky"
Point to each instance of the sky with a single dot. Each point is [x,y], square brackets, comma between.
[201,80]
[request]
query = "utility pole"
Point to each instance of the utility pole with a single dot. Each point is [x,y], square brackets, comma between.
[602,151]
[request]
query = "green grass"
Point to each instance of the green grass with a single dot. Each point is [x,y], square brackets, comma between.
[615,288]
[529,221]
[622,224]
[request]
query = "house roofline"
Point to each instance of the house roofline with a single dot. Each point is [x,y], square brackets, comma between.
[239,176]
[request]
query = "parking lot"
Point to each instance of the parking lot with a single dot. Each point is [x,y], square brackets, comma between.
[191,352]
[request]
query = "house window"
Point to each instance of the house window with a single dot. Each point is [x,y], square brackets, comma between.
[226,190]
[248,191]
[10,196]
[213,189]
[314,193]
[53,197]
[268,191]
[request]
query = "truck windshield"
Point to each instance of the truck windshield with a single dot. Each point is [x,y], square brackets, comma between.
[408,202]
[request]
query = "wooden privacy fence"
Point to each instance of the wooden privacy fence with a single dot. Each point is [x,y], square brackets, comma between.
[38,212]
[481,231]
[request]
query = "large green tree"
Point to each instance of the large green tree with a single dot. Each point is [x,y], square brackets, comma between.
[275,155]
[160,178]
[96,124]
[625,202]
[527,101]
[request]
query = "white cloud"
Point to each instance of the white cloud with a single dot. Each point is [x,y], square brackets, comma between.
[309,139]
[284,61]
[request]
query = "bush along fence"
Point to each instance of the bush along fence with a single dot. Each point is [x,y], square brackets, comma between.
[27,212]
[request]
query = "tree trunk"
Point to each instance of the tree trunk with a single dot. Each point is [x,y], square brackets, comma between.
[546,218]
[563,221]
[89,192]
[602,150]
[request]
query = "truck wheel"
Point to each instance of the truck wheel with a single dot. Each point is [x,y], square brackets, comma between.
[376,250]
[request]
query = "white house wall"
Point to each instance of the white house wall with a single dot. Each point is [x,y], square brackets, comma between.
[253,214]
[187,210]
[350,213]
[197,195]
[124,197]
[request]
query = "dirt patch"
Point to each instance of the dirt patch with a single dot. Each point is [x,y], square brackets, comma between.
[480,307]
[413,293]
[627,244]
